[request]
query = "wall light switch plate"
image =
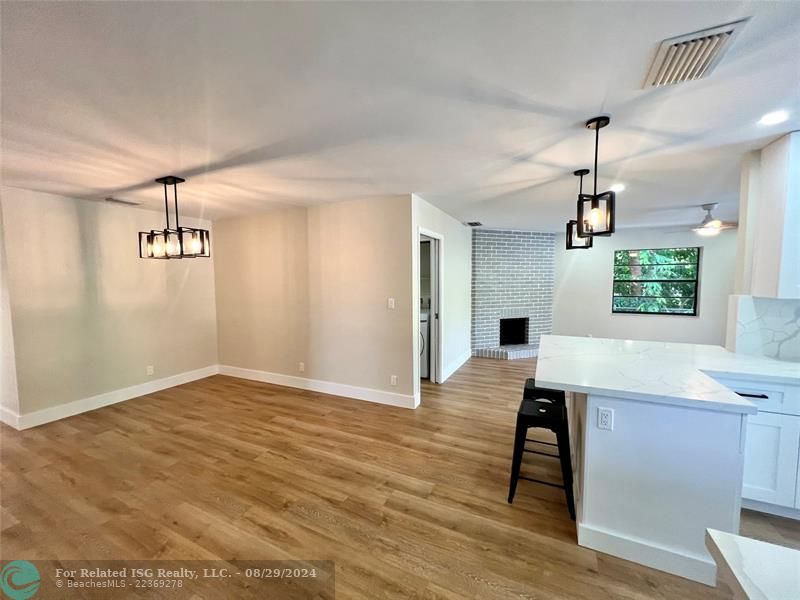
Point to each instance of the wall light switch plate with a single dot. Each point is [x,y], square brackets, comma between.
[390,303]
[605,418]
[301,367]
[150,369]
[393,380]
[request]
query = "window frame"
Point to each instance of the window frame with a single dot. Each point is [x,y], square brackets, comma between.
[696,281]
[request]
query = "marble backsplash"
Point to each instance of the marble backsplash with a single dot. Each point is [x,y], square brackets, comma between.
[766,327]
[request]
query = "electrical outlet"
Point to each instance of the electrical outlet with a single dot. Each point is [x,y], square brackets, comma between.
[301,367]
[150,369]
[393,380]
[390,303]
[605,418]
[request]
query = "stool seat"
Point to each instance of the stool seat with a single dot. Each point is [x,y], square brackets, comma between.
[531,392]
[542,413]
[542,408]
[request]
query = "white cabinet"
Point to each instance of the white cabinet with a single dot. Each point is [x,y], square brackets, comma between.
[797,494]
[770,460]
[772,444]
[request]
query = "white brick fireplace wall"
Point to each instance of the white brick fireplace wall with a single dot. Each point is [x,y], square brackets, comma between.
[512,276]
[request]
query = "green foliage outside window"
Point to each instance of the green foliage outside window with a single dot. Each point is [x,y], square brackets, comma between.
[660,281]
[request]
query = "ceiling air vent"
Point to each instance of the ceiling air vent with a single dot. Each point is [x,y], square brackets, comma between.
[473,223]
[691,56]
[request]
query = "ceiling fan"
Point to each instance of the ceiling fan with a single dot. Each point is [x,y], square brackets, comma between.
[710,225]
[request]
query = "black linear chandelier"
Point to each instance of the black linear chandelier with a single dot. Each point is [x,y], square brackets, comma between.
[177,242]
[575,241]
[596,211]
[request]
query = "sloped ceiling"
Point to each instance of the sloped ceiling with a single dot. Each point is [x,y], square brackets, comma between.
[477,107]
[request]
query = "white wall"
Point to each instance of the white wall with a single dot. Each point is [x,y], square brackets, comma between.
[582,299]
[311,285]
[359,257]
[9,399]
[261,278]
[456,287]
[88,314]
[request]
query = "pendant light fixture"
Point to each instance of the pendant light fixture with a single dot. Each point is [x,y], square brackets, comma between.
[596,211]
[575,241]
[177,242]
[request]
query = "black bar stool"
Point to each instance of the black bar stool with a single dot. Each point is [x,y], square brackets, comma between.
[544,408]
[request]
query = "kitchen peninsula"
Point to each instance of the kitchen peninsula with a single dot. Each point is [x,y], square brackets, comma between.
[658,443]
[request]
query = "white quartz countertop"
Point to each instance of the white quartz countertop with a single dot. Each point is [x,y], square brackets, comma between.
[755,570]
[654,371]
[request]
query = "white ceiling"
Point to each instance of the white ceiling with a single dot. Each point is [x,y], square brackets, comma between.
[477,107]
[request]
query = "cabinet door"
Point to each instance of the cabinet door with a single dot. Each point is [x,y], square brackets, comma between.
[770,458]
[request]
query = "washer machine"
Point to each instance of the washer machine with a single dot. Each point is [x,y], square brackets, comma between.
[424,345]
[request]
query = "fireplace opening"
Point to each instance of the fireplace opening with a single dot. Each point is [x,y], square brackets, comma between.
[513,331]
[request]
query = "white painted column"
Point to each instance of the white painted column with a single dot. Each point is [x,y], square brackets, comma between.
[776,242]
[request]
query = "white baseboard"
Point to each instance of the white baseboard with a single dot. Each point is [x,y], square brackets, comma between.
[694,567]
[455,365]
[772,509]
[9,417]
[326,387]
[76,407]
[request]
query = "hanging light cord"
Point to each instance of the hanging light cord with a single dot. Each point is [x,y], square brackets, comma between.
[596,145]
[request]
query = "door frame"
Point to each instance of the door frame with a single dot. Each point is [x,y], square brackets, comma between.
[437,308]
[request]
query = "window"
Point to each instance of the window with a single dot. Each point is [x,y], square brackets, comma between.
[661,281]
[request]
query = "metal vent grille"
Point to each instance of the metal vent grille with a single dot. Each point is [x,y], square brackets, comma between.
[473,223]
[692,56]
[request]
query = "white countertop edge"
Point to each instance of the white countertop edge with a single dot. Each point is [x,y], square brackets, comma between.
[743,407]
[754,569]
[682,374]
[754,377]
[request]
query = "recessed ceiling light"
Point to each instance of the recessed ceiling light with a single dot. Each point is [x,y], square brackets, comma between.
[617,188]
[773,118]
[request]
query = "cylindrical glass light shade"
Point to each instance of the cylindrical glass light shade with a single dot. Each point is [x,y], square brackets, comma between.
[195,242]
[159,245]
[173,244]
[145,245]
[191,243]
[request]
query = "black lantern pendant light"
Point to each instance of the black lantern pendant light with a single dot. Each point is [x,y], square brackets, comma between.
[575,241]
[177,242]
[596,211]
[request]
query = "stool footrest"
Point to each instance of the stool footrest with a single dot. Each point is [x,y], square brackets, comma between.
[550,483]
[542,453]
[538,442]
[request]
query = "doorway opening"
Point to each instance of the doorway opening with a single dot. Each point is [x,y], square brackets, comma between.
[429,299]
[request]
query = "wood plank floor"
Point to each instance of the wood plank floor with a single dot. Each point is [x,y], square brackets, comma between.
[409,504]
